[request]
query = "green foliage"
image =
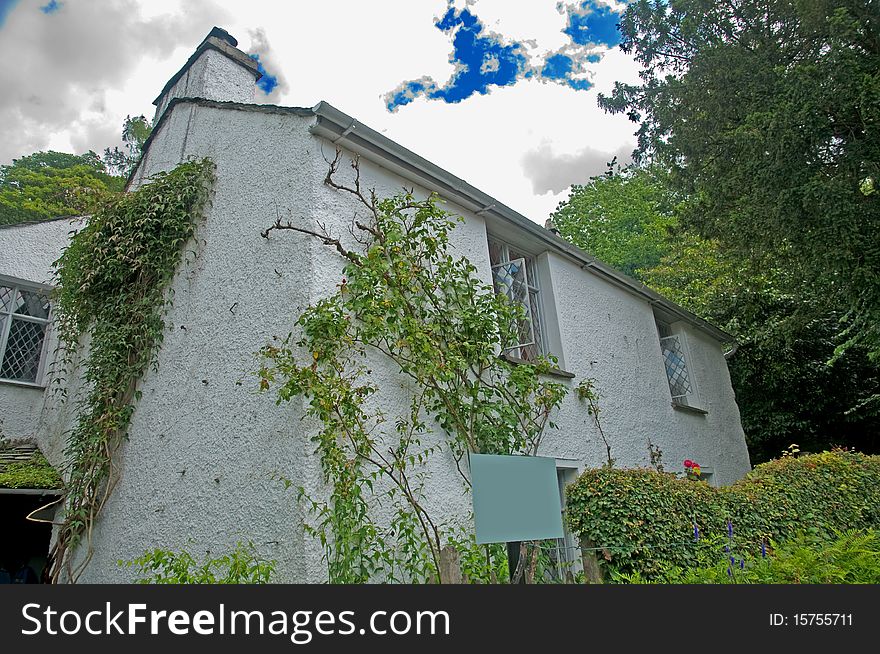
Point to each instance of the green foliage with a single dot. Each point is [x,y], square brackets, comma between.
[135,132]
[851,557]
[786,388]
[621,217]
[36,472]
[480,564]
[646,519]
[111,288]
[243,565]
[788,393]
[405,299]
[773,164]
[51,184]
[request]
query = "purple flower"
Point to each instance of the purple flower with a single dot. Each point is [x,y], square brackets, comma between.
[729,529]
[742,564]
[763,549]
[727,548]
[732,561]
[696,533]
[729,572]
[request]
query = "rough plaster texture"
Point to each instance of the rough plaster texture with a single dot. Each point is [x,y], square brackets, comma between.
[28,253]
[610,336]
[200,468]
[212,76]
[202,465]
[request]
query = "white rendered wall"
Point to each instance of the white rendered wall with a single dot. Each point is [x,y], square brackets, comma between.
[201,467]
[610,336]
[212,76]
[26,253]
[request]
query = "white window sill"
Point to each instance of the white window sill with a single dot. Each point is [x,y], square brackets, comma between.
[690,409]
[555,372]
[23,384]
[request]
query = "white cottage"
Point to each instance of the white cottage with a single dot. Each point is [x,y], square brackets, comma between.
[205,450]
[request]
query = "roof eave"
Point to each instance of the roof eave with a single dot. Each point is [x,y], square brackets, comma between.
[340,128]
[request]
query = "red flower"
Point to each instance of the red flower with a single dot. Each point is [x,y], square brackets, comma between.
[688,463]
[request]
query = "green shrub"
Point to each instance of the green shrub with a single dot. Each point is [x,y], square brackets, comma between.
[241,566]
[36,472]
[645,520]
[850,558]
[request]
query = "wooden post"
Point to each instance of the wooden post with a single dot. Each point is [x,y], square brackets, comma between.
[450,566]
[516,562]
[592,571]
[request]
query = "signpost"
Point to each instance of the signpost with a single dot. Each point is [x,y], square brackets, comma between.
[516,498]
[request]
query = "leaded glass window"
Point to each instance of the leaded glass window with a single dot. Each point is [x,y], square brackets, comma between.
[515,275]
[675,363]
[24,319]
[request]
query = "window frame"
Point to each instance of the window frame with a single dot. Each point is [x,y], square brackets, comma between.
[567,472]
[691,399]
[534,291]
[17,285]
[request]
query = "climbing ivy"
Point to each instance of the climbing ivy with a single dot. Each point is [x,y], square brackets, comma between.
[586,392]
[405,298]
[111,282]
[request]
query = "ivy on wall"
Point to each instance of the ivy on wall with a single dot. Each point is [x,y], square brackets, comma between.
[405,298]
[111,296]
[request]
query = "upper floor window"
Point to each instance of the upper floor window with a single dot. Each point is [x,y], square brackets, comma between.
[676,364]
[515,274]
[24,319]
[682,386]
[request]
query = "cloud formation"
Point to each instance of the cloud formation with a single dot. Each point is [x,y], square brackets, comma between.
[591,23]
[271,84]
[551,172]
[484,60]
[51,7]
[63,57]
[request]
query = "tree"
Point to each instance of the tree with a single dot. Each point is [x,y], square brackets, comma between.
[766,114]
[786,390]
[51,184]
[629,214]
[135,132]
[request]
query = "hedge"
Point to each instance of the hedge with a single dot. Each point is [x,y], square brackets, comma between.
[851,557]
[643,521]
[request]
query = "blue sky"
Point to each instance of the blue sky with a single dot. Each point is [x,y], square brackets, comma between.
[485,60]
[501,94]
[5,7]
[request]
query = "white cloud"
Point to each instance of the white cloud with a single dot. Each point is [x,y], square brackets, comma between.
[346,52]
[552,172]
[59,67]
[260,47]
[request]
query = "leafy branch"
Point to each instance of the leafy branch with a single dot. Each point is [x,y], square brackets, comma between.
[111,283]
[404,299]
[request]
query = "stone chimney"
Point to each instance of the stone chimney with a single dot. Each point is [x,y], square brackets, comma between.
[217,70]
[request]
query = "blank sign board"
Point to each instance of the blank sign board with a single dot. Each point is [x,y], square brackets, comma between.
[515,498]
